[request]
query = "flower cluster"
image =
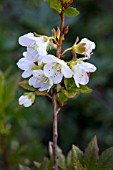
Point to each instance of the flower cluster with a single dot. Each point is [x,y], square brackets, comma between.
[44,70]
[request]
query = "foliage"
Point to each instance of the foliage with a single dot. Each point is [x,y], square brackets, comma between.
[78,160]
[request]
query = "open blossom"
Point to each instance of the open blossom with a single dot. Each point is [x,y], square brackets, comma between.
[81,70]
[84,47]
[36,46]
[26,65]
[27,99]
[40,81]
[56,69]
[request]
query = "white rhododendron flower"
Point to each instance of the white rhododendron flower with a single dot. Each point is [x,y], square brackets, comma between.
[56,69]
[84,47]
[81,70]
[27,99]
[36,46]
[40,81]
[26,65]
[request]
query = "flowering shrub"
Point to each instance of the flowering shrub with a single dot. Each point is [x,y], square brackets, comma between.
[50,75]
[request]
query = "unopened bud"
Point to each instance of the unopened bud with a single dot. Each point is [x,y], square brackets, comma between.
[58,33]
[67,4]
[66,29]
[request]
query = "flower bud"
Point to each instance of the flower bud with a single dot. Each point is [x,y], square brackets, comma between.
[27,99]
[66,29]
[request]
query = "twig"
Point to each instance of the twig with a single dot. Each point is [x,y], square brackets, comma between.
[55,134]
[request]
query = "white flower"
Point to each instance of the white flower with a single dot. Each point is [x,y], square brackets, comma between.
[27,99]
[84,47]
[26,65]
[81,70]
[40,81]
[56,69]
[36,46]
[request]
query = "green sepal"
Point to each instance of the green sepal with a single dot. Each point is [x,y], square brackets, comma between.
[71,12]
[79,48]
[56,5]
[26,86]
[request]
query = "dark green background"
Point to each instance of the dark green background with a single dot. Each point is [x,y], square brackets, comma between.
[83,117]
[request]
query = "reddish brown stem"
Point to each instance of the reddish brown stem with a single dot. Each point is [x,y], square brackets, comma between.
[4,151]
[55,134]
[54,100]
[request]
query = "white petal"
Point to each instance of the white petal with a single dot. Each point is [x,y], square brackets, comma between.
[67,72]
[57,78]
[38,73]
[27,73]
[84,79]
[25,40]
[23,64]
[49,59]
[32,56]
[28,103]
[49,69]
[89,44]
[22,99]
[76,81]
[88,67]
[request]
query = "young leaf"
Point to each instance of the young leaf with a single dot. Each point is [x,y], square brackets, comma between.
[71,87]
[65,1]
[106,159]
[25,85]
[71,12]
[61,98]
[56,4]
[84,89]
[91,155]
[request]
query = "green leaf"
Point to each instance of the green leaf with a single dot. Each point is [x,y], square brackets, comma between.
[72,88]
[77,153]
[25,85]
[69,83]
[77,158]
[91,156]
[106,159]
[56,4]
[69,160]
[61,98]
[71,12]
[84,89]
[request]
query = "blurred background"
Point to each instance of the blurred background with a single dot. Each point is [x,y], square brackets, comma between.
[28,130]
